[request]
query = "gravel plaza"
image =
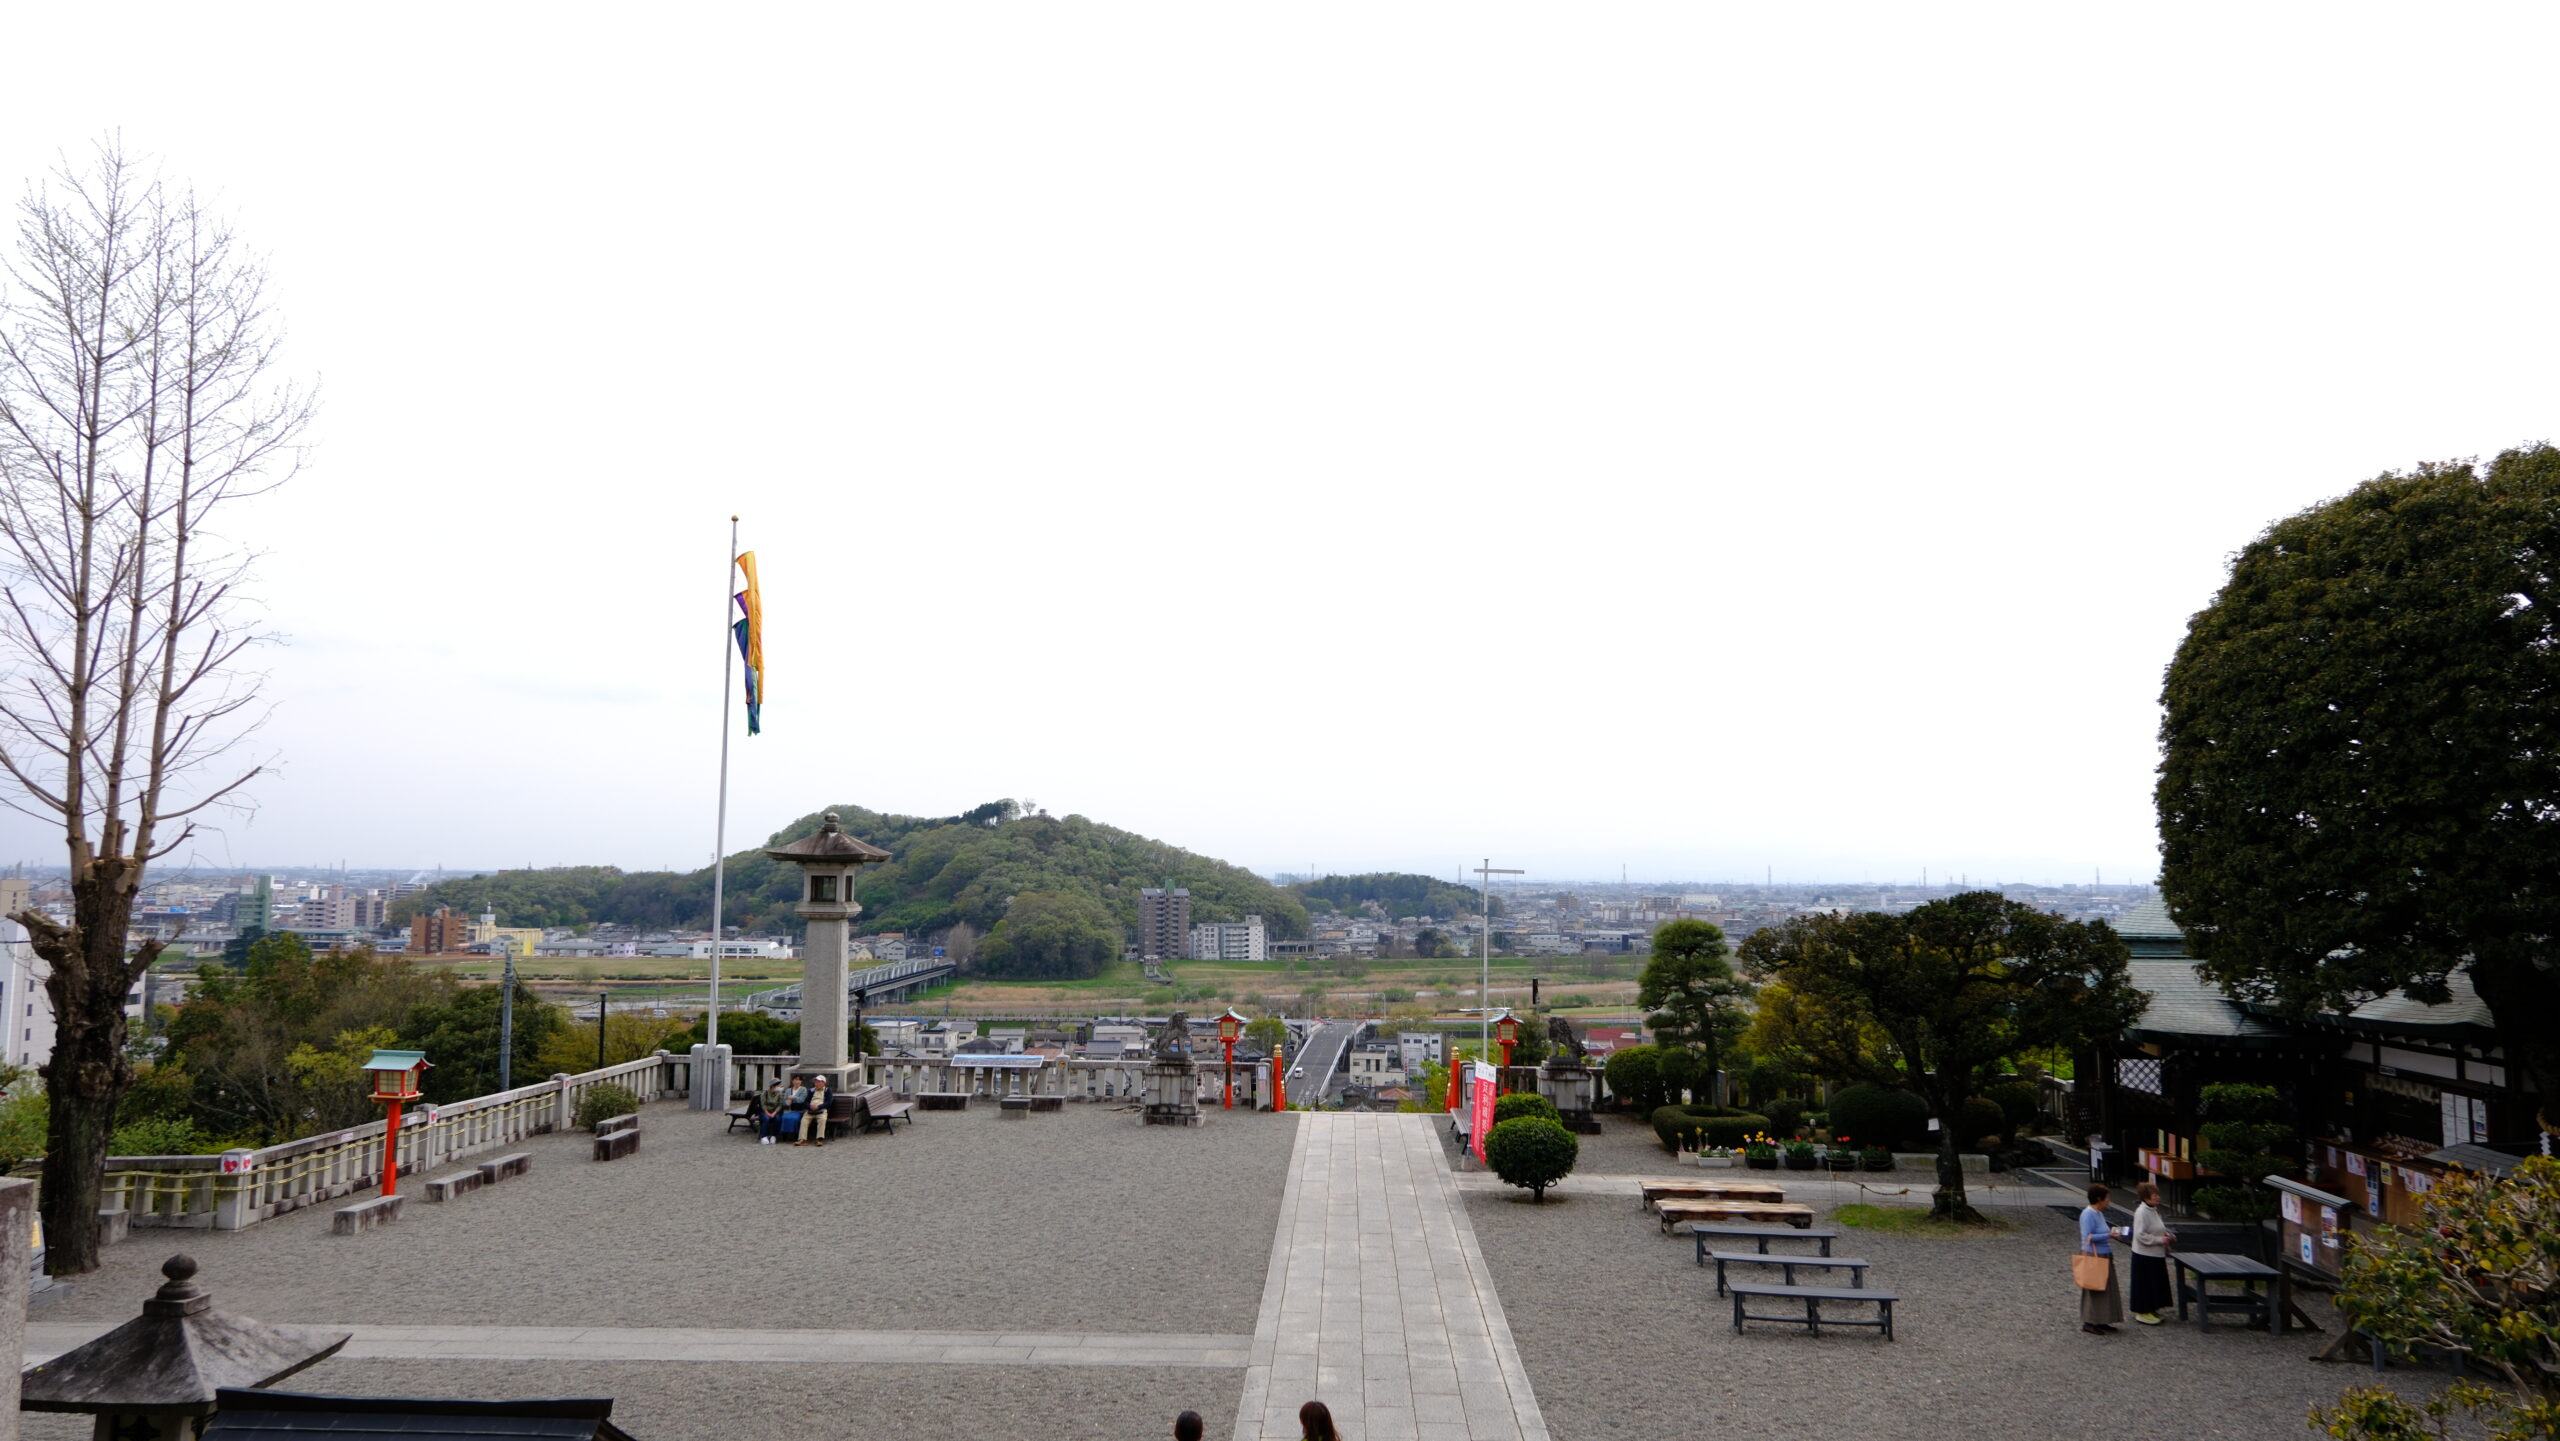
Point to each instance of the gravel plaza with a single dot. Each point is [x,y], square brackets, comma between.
[1085,1274]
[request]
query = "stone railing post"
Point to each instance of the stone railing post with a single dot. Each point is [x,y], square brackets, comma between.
[564,1108]
[709,1089]
[17,1262]
[657,1087]
[235,1192]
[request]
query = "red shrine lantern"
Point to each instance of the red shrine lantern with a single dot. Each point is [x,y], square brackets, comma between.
[1506,1030]
[395,1079]
[1230,1031]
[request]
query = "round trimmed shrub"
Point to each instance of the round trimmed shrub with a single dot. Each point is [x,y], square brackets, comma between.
[1531,1152]
[1524,1103]
[1785,1115]
[1635,1077]
[1685,1128]
[1896,1120]
[2017,1101]
[603,1103]
[1982,1120]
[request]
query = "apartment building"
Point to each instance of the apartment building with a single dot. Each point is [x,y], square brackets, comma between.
[1243,940]
[1164,923]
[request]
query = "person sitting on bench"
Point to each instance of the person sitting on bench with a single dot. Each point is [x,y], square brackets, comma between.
[770,1104]
[814,1118]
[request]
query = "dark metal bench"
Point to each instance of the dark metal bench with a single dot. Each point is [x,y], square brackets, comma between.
[1707,1232]
[1813,1297]
[1788,1265]
[869,1108]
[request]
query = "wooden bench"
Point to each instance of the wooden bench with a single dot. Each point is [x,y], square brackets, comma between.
[1707,1235]
[1788,1212]
[1651,1192]
[365,1215]
[513,1164]
[460,1183]
[1788,1265]
[868,1108]
[942,1100]
[1813,1297]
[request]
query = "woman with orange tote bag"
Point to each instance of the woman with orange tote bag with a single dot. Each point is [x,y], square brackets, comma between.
[2094,1269]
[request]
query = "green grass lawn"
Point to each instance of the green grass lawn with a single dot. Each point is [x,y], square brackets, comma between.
[1914,1221]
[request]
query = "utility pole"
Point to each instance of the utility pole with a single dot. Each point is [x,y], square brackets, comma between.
[1484,993]
[507,1022]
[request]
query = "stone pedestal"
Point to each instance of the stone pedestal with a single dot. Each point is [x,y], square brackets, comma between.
[1572,1087]
[711,1083]
[1173,1092]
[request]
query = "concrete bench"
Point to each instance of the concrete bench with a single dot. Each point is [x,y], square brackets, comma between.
[1047,1103]
[460,1183]
[627,1121]
[513,1164]
[1789,1265]
[1013,1108]
[1813,1297]
[615,1144]
[1655,1192]
[365,1215]
[942,1100]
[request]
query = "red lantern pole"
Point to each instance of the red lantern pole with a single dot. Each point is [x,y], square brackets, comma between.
[1231,1073]
[391,1151]
[1279,1085]
[1454,1068]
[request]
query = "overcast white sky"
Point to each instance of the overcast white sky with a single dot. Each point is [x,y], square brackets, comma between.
[1690,437]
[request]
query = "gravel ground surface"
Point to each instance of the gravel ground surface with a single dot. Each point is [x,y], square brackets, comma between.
[698,1402]
[1080,1221]
[1623,1336]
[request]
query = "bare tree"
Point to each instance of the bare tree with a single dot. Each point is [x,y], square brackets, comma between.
[135,403]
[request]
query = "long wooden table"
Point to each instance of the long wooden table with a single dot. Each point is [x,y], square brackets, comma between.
[1791,1213]
[1652,1191]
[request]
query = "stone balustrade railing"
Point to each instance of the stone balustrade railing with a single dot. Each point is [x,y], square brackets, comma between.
[237,1189]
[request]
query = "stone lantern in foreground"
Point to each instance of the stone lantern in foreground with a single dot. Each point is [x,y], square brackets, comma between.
[1567,1078]
[154,1377]
[829,861]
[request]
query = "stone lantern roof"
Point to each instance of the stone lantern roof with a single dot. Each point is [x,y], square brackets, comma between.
[170,1360]
[830,844]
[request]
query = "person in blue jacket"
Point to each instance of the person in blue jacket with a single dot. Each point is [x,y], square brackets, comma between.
[2101,1311]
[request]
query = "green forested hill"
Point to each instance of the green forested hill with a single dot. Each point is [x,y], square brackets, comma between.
[1400,893]
[947,870]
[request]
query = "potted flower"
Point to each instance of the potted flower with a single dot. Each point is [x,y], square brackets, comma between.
[1715,1158]
[1875,1158]
[1760,1154]
[1799,1155]
[1841,1156]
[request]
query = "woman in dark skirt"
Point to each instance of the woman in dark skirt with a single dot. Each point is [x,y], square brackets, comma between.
[2151,1241]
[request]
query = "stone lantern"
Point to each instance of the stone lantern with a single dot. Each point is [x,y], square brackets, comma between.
[1173,1076]
[828,861]
[1567,1079]
[154,1378]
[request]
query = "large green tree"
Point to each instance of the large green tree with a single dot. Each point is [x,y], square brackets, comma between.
[1051,935]
[1957,986]
[2360,754]
[1695,999]
[460,1037]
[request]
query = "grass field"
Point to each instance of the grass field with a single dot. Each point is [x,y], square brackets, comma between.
[1404,989]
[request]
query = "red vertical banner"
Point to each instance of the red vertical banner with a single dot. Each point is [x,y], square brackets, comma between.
[1481,1104]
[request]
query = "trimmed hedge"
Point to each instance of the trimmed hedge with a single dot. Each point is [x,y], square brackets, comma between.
[1532,1152]
[603,1103]
[1524,1103]
[1982,1119]
[1785,1114]
[2017,1101]
[1873,1116]
[1688,1127]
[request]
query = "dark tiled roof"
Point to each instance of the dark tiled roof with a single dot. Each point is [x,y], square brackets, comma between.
[2149,920]
[2185,1004]
[2462,1008]
[829,843]
[294,1416]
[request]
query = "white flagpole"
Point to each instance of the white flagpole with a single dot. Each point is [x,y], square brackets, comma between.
[720,833]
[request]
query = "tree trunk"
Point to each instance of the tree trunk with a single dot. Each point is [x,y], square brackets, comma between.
[2523,996]
[1948,1201]
[88,1075]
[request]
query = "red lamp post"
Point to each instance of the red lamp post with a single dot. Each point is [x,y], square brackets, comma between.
[395,1079]
[1506,1029]
[1230,1030]
[1279,1082]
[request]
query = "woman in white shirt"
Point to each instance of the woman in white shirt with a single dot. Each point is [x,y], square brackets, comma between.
[2151,1240]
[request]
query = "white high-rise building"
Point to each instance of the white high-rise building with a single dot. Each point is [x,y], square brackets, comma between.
[1243,940]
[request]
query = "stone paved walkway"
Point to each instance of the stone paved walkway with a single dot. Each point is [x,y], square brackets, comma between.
[1377,1301]
[46,1340]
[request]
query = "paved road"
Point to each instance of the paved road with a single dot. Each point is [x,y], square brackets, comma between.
[1321,1059]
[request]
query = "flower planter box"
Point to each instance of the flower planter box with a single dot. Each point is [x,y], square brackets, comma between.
[1716,1163]
[1761,1163]
[1799,1163]
[1881,1161]
[1841,1160]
